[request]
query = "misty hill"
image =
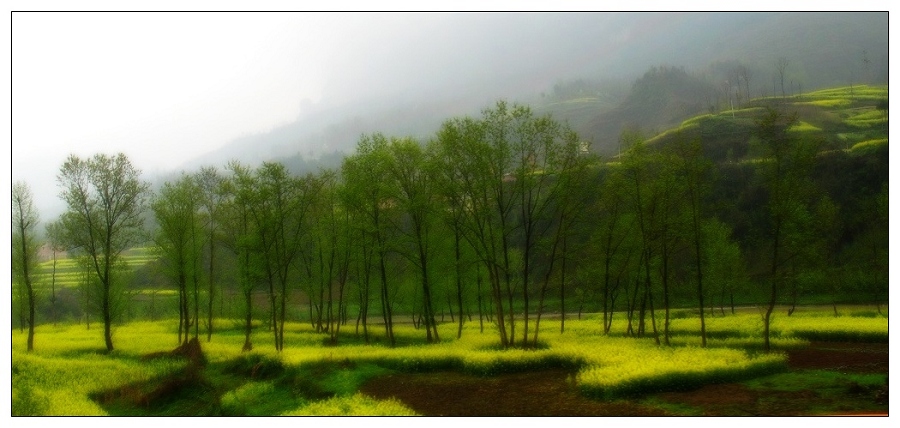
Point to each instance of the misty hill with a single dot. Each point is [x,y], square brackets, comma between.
[604,86]
[852,119]
[850,125]
[663,97]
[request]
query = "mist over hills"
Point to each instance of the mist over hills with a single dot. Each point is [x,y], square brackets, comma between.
[644,70]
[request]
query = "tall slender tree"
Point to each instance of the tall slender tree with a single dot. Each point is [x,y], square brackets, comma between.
[478,187]
[179,240]
[25,251]
[241,238]
[413,175]
[55,242]
[786,177]
[367,194]
[781,65]
[693,168]
[211,199]
[280,215]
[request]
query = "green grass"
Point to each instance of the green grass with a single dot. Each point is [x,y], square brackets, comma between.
[868,145]
[836,392]
[863,92]
[354,405]
[69,274]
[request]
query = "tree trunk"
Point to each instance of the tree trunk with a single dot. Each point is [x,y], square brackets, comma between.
[459,293]
[209,308]
[248,323]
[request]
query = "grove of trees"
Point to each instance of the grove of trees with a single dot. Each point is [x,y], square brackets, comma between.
[507,218]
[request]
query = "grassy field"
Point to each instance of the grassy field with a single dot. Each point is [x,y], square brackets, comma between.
[69,274]
[70,374]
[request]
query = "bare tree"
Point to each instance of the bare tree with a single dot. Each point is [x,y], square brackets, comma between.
[781,65]
[744,75]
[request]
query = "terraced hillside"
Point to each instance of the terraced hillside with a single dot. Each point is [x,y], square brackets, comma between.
[853,119]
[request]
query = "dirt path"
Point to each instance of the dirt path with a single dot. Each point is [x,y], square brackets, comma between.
[552,392]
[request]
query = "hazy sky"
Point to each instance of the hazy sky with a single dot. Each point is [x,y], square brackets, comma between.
[165,88]
[160,87]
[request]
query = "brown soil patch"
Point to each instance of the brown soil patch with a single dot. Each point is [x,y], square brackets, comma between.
[543,393]
[552,392]
[844,357]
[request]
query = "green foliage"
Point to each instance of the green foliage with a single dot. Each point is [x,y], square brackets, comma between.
[252,399]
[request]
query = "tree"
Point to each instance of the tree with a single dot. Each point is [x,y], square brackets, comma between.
[829,229]
[241,237]
[509,175]
[413,180]
[180,244]
[743,74]
[566,162]
[781,65]
[331,235]
[693,167]
[454,203]
[722,262]
[25,250]
[105,199]
[640,170]
[786,178]
[612,244]
[279,212]
[367,195]
[476,170]
[212,198]
[544,159]
[55,239]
